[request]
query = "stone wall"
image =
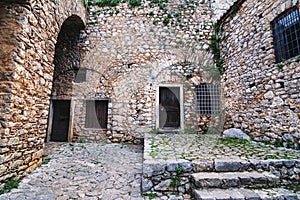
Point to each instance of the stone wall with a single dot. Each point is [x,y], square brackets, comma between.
[29,30]
[6,71]
[261,97]
[130,52]
[160,176]
[220,7]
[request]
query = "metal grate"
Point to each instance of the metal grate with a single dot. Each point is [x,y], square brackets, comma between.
[208,98]
[286,35]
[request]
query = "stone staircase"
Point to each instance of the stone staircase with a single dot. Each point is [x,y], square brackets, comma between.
[203,168]
[241,194]
[233,179]
[238,185]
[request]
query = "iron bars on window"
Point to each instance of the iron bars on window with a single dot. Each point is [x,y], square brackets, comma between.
[286,35]
[208,98]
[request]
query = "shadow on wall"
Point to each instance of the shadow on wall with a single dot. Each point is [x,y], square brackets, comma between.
[67,62]
[67,56]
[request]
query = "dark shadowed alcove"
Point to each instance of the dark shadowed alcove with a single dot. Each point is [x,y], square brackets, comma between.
[67,62]
[67,56]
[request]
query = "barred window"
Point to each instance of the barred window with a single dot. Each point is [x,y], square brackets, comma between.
[96,114]
[286,35]
[208,98]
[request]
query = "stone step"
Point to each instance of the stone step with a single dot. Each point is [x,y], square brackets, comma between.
[233,179]
[245,194]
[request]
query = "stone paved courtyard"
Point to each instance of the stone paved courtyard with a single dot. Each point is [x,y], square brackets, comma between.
[114,171]
[84,171]
[209,147]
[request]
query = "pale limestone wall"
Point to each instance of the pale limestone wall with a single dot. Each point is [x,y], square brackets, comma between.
[220,7]
[261,98]
[129,53]
[28,32]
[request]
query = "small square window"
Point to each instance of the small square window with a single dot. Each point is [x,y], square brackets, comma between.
[286,35]
[96,114]
[208,98]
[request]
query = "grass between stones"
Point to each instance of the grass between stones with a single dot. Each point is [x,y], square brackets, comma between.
[234,142]
[46,161]
[210,147]
[154,153]
[294,186]
[150,195]
[176,179]
[9,185]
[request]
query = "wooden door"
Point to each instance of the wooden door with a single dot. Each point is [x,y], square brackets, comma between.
[60,122]
[96,114]
[169,107]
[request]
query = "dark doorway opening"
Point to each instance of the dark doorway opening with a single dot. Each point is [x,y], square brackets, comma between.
[96,114]
[169,107]
[61,119]
[67,58]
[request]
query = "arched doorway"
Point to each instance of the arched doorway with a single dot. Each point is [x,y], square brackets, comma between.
[67,62]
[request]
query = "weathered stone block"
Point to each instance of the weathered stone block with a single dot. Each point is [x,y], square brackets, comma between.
[164,186]
[227,166]
[235,133]
[152,168]
[289,163]
[186,166]
[37,155]
[203,166]
[146,184]
[171,167]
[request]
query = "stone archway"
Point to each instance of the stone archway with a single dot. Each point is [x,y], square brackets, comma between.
[67,56]
[67,62]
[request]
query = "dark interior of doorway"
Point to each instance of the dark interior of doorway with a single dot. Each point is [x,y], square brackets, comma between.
[61,118]
[169,107]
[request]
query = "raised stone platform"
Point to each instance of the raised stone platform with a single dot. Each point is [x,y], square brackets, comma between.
[181,162]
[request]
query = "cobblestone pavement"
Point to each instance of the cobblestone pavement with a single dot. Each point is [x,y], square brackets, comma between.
[84,171]
[114,171]
[209,147]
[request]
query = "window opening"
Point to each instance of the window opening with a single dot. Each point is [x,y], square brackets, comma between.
[208,98]
[286,35]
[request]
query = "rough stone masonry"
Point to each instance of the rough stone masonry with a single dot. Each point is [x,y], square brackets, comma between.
[261,97]
[126,54]
[29,30]
[33,42]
